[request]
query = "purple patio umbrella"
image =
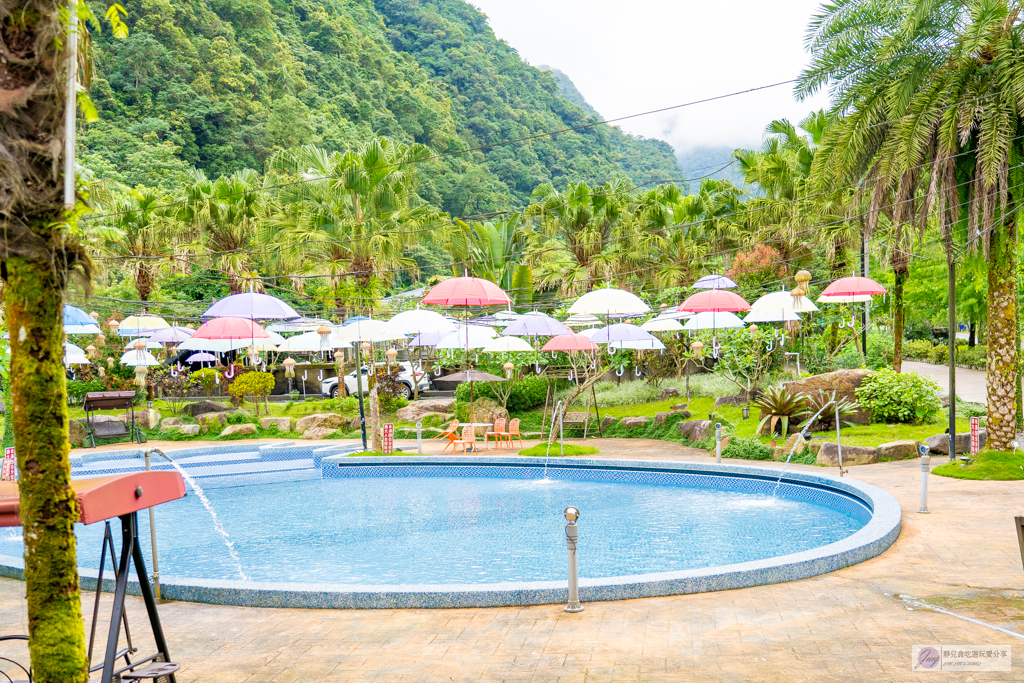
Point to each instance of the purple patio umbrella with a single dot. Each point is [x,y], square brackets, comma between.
[172,335]
[713,282]
[536,326]
[621,332]
[253,306]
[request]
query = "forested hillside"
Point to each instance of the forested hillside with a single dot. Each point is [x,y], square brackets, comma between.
[223,84]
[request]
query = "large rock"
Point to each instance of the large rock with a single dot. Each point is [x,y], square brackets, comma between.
[318,433]
[188,430]
[852,455]
[696,430]
[147,418]
[667,393]
[904,449]
[608,422]
[843,382]
[170,422]
[417,410]
[211,421]
[282,424]
[231,430]
[320,420]
[78,435]
[437,419]
[660,418]
[486,410]
[636,421]
[939,443]
[200,407]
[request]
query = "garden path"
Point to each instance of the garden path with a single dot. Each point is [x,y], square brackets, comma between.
[970,384]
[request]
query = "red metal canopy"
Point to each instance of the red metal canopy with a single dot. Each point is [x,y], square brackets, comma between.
[103,498]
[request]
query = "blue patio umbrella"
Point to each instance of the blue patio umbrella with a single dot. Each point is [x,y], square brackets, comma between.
[77,321]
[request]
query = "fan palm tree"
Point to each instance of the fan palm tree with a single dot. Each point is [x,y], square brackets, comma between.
[583,220]
[134,233]
[353,214]
[219,219]
[929,94]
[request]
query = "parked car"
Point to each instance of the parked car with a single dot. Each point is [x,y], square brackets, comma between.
[329,387]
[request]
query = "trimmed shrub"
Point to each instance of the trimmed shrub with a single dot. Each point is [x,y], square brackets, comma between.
[975,357]
[527,393]
[899,397]
[747,449]
[939,355]
[917,348]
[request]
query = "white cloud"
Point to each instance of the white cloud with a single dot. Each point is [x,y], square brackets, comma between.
[632,56]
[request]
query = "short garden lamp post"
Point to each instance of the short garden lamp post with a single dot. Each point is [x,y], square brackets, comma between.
[365,346]
[572,534]
[289,372]
[925,458]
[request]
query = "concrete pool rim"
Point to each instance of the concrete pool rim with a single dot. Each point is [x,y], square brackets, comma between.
[880,532]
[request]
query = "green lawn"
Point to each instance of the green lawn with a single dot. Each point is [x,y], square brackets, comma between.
[992,465]
[541,449]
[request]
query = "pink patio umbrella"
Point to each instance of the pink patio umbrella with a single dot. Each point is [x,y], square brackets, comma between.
[714,301]
[850,290]
[570,342]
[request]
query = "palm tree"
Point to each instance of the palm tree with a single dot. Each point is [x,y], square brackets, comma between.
[495,251]
[134,234]
[39,254]
[583,220]
[929,96]
[219,218]
[353,214]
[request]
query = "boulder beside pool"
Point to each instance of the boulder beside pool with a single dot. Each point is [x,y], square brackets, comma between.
[852,455]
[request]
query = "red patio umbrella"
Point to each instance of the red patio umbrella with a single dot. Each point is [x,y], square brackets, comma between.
[714,301]
[466,291]
[230,328]
[570,342]
[849,290]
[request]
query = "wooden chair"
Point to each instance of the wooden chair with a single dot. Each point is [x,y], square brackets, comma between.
[468,438]
[513,432]
[498,433]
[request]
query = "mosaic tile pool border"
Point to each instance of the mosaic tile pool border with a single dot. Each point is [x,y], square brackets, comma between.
[880,532]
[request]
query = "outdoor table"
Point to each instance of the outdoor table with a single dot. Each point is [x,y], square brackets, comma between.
[474,425]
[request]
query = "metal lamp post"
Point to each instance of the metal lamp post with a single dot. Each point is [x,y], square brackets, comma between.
[571,539]
[359,388]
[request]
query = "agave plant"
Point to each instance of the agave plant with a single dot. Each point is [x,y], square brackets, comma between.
[827,419]
[779,406]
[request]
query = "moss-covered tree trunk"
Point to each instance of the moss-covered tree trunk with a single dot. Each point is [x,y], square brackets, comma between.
[8,439]
[34,305]
[901,273]
[1002,336]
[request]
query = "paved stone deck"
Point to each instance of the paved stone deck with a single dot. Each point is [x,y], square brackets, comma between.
[855,624]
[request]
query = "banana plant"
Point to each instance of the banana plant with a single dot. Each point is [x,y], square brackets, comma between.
[495,251]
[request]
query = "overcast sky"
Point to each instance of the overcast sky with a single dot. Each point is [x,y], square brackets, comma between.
[629,56]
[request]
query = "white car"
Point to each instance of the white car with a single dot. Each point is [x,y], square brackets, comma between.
[329,387]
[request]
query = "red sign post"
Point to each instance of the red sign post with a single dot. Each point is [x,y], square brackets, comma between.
[388,442]
[10,467]
[975,436]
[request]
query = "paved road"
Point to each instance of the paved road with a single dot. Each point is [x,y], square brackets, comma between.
[970,384]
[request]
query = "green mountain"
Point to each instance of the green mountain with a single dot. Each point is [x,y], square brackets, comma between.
[569,90]
[223,84]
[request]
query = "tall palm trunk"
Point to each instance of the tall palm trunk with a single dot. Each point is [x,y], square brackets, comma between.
[34,307]
[1002,326]
[902,273]
[34,261]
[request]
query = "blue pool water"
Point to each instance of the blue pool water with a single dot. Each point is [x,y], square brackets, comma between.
[468,530]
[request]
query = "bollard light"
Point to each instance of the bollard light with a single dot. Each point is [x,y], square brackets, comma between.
[925,458]
[746,412]
[419,438]
[572,533]
[718,442]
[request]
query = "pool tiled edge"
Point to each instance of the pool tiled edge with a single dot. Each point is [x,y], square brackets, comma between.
[880,532]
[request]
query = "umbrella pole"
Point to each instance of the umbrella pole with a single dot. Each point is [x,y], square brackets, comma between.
[359,391]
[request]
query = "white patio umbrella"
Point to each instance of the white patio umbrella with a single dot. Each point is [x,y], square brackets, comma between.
[297,325]
[507,345]
[216,345]
[308,342]
[149,344]
[269,344]
[590,331]
[469,337]
[609,301]
[662,325]
[713,321]
[783,302]
[770,317]
[139,357]
[74,355]
[368,330]
[134,325]
[638,344]
[420,321]
[582,320]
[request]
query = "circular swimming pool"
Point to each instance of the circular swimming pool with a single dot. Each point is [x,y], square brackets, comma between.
[458,531]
